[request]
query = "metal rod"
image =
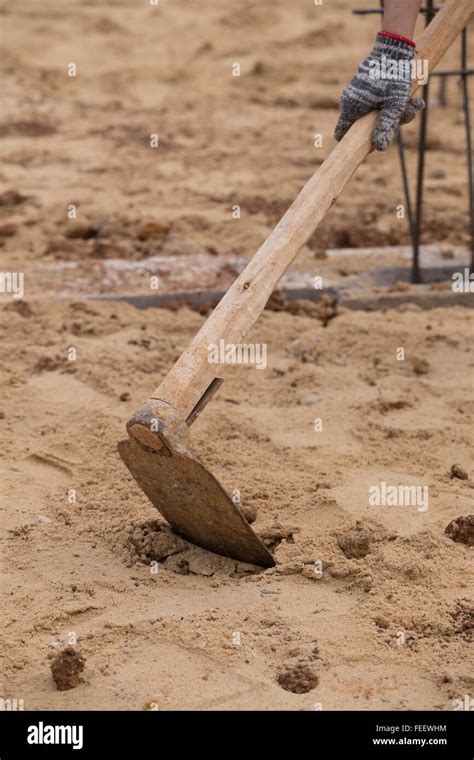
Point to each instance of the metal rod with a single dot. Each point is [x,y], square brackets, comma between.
[406,184]
[467,122]
[443,84]
[415,270]
[415,215]
[453,73]
[368,11]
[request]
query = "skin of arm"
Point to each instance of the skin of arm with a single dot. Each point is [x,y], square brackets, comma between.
[399,17]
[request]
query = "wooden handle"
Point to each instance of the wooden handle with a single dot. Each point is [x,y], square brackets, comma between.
[188,381]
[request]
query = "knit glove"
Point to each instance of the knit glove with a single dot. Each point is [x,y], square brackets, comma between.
[383,81]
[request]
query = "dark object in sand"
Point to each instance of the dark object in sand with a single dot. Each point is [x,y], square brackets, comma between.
[299,679]
[461,530]
[66,669]
[458,472]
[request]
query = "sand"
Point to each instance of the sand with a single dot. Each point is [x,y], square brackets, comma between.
[367,607]
[183,628]
[223,141]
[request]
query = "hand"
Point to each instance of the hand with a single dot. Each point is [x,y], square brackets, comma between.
[383,81]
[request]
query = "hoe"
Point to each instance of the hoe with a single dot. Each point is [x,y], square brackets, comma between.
[156,451]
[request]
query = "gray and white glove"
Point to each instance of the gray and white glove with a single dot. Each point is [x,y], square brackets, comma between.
[383,81]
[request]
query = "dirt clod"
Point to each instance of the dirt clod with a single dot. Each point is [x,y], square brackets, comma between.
[420,366]
[8,229]
[458,472]
[152,542]
[249,511]
[273,536]
[66,669]
[152,230]
[48,363]
[11,198]
[298,679]
[461,530]
[355,543]
[21,307]
[463,619]
[80,231]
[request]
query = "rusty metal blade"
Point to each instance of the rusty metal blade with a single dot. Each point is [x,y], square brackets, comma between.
[194,503]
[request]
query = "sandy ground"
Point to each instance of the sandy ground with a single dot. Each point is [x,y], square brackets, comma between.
[388,630]
[215,637]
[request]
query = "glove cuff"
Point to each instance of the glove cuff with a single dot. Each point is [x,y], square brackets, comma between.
[397,38]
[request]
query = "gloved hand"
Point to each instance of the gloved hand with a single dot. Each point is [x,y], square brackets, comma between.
[383,81]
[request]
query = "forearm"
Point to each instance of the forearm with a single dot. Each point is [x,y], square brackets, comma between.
[400,17]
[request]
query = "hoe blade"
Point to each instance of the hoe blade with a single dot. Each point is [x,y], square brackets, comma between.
[194,503]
